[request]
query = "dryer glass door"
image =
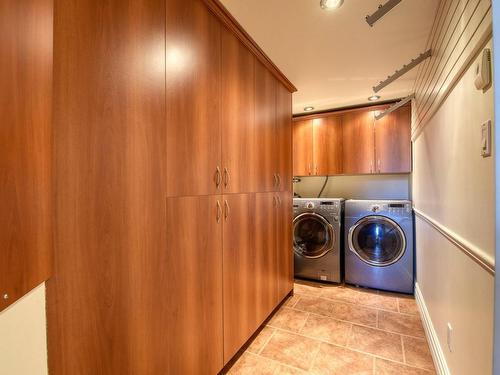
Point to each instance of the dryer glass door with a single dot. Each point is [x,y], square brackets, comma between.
[313,235]
[377,240]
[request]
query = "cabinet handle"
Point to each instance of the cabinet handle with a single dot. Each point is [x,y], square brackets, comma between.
[227,177]
[219,211]
[278,199]
[371,166]
[217,177]
[316,170]
[275,179]
[279,180]
[379,165]
[310,169]
[226,209]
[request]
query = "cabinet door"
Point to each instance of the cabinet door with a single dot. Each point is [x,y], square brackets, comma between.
[265,129]
[240,263]
[193,98]
[266,272]
[284,137]
[284,245]
[239,157]
[194,291]
[358,142]
[302,148]
[327,146]
[393,142]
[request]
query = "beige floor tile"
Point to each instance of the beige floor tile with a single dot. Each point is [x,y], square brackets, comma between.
[417,353]
[251,364]
[340,293]
[261,340]
[408,306]
[289,319]
[334,360]
[307,288]
[292,300]
[383,367]
[376,300]
[354,313]
[290,349]
[410,325]
[315,305]
[327,329]
[286,370]
[373,341]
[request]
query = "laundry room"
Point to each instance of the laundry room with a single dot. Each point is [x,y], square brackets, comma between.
[249,187]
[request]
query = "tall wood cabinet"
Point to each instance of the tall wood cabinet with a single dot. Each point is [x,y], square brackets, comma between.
[352,142]
[174,200]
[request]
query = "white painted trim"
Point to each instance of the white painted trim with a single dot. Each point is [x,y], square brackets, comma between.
[478,255]
[432,338]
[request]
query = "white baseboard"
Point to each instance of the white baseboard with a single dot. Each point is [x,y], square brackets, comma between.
[432,338]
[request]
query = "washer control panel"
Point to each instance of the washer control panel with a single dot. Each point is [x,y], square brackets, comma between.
[392,208]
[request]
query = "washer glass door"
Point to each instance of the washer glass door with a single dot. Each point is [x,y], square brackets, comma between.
[313,235]
[377,240]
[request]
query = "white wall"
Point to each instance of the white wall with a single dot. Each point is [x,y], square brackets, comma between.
[23,341]
[454,186]
[356,187]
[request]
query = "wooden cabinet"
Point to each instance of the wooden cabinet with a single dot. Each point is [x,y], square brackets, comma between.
[393,142]
[168,255]
[265,129]
[239,156]
[194,284]
[302,148]
[353,142]
[241,289]
[26,214]
[358,142]
[327,145]
[284,235]
[284,138]
[193,89]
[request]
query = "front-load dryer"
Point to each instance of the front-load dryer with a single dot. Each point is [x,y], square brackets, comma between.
[318,238]
[379,245]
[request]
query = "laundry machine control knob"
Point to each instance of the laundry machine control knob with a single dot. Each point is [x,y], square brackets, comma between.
[375,208]
[310,205]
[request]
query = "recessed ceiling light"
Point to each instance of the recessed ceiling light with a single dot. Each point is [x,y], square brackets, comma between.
[374,98]
[308,109]
[330,4]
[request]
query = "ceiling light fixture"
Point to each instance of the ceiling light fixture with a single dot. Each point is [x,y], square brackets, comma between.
[374,98]
[330,4]
[308,109]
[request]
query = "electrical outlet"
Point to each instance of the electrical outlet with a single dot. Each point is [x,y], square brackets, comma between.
[449,335]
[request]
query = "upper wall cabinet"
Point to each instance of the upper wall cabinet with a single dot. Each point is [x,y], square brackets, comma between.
[358,142]
[353,142]
[193,72]
[393,142]
[25,147]
[284,137]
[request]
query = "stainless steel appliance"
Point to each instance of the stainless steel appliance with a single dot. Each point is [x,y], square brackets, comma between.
[379,245]
[317,238]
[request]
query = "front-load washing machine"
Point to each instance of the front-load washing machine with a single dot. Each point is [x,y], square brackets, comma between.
[318,238]
[379,245]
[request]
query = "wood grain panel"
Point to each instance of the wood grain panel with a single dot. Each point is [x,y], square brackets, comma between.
[239,156]
[327,146]
[302,148]
[266,271]
[393,142]
[358,142]
[193,68]
[193,326]
[284,244]
[284,138]
[240,265]
[105,310]
[265,129]
[464,27]
[25,146]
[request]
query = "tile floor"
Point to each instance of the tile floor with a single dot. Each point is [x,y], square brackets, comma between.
[327,329]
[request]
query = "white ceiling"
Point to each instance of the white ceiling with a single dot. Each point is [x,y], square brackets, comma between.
[333,57]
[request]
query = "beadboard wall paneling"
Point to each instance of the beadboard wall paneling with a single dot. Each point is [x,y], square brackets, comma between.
[461,29]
